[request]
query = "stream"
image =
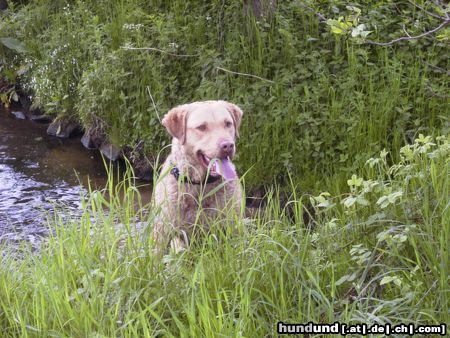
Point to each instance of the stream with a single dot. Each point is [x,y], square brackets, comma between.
[38,173]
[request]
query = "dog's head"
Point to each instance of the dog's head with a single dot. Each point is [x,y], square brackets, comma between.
[206,132]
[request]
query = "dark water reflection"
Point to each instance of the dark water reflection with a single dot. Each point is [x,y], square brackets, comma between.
[37,173]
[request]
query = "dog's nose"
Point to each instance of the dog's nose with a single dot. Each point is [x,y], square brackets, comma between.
[226,148]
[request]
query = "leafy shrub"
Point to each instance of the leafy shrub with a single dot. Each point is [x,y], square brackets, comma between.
[396,223]
[70,43]
[114,98]
[317,103]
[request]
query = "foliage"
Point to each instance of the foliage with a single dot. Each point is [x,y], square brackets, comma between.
[366,262]
[329,102]
[318,103]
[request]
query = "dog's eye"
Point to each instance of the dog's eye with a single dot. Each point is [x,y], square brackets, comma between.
[201,127]
[228,124]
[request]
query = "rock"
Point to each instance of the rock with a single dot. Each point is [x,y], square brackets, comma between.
[143,169]
[19,115]
[86,141]
[142,166]
[111,151]
[24,101]
[63,127]
[92,138]
[35,109]
[41,118]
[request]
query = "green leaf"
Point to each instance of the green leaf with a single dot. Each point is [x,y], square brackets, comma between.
[341,280]
[355,181]
[285,33]
[395,196]
[386,280]
[13,44]
[400,238]
[349,201]
[362,201]
[4,98]
[383,202]
[352,277]
[336,30]
[364,34]
[346,278]
[354,9]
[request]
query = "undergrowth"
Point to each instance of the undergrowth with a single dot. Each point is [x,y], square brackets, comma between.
[316,103]
[377,254]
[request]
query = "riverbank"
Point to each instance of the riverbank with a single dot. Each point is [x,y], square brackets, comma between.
[40,174]
[376,255]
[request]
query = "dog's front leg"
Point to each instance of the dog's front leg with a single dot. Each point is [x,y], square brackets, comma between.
[178,244]
[165,233]
[160,238]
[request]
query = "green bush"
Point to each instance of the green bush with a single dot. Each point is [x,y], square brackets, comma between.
[114,98]
[316,102]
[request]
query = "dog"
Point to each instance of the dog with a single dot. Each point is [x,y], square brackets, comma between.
[198,180]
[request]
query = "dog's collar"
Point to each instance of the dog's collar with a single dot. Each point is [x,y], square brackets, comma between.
[184,179]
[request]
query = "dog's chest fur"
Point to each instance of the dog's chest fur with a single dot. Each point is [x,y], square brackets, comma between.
[198,204]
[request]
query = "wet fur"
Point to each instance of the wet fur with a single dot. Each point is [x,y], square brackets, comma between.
[178,204]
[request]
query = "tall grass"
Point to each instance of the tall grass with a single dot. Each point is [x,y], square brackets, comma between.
[377,253]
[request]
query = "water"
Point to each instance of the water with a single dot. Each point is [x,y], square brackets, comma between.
[37,173]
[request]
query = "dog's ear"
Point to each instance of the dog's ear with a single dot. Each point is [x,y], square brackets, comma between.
[175,122]
[236,114]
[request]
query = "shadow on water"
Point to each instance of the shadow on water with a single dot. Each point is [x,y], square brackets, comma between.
[39,172]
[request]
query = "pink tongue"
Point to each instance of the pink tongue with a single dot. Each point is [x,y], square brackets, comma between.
[227,169]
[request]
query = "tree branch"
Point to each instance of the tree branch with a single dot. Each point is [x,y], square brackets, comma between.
[445,22]
[403,38]
[424,10]
[244,74]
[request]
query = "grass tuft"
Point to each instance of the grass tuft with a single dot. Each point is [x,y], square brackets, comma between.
[376,253]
